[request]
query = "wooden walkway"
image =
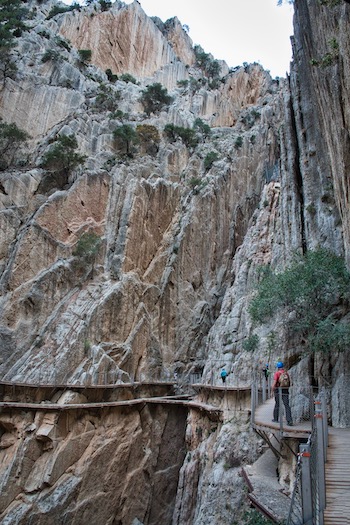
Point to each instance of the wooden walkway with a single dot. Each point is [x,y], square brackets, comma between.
[214,413]
[263,421]
[337,510]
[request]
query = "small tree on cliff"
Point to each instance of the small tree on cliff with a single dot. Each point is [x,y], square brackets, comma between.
[12,15]
[187,135]
[12,25]
[62,157]
[149,138]
[87,246]
[11,138]
[86,250]
[155,97]
[125,137]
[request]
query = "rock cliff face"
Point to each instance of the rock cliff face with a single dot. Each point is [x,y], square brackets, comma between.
[181,240]
[124,39]
[107,465]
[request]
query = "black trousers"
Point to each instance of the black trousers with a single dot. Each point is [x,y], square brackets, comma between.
[285,399]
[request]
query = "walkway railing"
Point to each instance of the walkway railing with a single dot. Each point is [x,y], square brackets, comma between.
[309,493]
[299,399]
[307,404]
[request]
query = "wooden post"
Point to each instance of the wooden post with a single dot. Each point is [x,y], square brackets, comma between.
[321,476]
[306,493]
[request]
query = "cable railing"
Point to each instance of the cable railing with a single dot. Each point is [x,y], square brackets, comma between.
[305,408]
[308,500]
[293,406]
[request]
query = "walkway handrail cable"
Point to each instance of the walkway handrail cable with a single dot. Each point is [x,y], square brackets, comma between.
[309,494]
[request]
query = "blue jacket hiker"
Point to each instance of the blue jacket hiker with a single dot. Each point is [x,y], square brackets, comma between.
[223,375]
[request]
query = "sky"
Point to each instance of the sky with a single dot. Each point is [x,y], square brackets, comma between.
[236,31]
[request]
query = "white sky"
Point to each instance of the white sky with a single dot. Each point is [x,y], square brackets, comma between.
[236,31]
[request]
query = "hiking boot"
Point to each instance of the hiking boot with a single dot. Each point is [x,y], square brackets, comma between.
[290,423]
[274,420]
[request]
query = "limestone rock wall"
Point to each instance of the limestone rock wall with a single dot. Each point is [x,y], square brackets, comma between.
[181,245]
[125,40]
[146,304]
[320,100]
[169,228]
[112,466]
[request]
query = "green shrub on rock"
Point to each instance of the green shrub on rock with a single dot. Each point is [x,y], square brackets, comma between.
[125,137]
[154,98]
[11,138]
[62,157]
[313,295]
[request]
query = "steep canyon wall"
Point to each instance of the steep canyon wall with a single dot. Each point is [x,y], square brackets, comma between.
[180,249]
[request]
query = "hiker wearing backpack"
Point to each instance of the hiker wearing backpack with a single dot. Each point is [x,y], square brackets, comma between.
[281,379]
[223,375]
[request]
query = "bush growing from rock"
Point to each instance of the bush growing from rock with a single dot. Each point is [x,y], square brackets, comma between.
[251,343]
[11,138]
[59,9]
[12,25]
[105,4]
[126,77]
[51,55]
[209,160]
[183,83]
[85,55]
[238,142]
[149,138]
[210,66]
[12,15]
[111,76]
[107,98]
[187,135]
[202,127]
[154,98]
[62,157]
[314,296]
[86,251]
[87,246]
[62,42]
[125,137]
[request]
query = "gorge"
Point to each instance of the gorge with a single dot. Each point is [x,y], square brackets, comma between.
[131,257]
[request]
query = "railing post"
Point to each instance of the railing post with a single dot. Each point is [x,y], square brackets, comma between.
[312,406]
[321,477]
[264,385]
[325,421]
[252,403]
[280,411]
[306,492]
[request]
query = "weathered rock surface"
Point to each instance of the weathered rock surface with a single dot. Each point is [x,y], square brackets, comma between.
[181,245]
[110,467]
[125,39]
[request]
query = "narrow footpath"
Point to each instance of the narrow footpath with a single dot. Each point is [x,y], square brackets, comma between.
[337,511]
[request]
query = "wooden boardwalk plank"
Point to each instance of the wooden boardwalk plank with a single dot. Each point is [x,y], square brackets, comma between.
[263,420]
[337,510]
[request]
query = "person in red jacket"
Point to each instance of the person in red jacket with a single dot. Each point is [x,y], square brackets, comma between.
[285,395]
